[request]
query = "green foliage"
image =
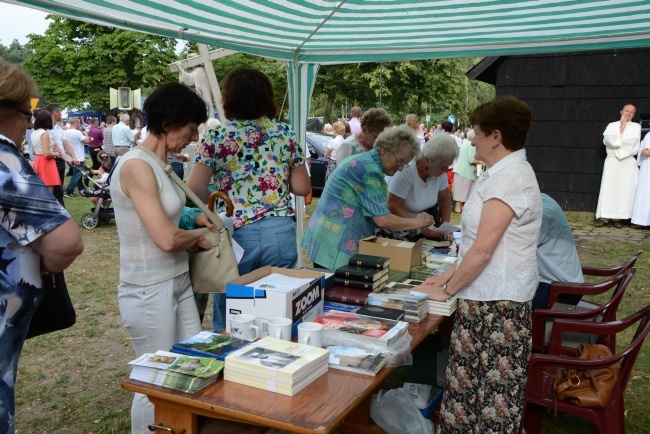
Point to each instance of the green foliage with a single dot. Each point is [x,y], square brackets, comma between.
[75,62]
[14,52]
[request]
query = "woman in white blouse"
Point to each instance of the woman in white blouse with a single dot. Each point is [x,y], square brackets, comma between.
[495,278]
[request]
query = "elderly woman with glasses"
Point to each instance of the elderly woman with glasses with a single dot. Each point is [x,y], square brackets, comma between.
[37,235]
[422,186]
[353,202]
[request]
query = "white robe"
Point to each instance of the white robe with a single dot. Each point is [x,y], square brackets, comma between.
[641,211]
[620,172]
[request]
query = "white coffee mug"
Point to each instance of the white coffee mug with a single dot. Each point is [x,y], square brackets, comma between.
[310,333]
[280,328]
[243,326]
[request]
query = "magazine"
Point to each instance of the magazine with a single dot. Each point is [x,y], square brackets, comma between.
[208,344]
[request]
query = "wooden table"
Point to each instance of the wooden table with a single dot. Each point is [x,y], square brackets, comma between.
[337,398]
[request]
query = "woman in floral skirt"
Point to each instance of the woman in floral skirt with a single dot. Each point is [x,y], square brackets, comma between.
[254,159]
[495,279]
[353,202]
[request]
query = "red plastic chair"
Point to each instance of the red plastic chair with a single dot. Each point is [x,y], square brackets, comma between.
[543,369]
[605,313]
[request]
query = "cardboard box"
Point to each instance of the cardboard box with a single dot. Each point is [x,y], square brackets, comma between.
[403,255]
[305,303]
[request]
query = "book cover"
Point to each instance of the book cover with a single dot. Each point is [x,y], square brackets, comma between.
[362,284]
[370,329]
[277,357]
[400,291]
[369,261]
[208,344]
[272,386]
[360,273]
[186,384]
[381,312]
[343,294]
[357,360]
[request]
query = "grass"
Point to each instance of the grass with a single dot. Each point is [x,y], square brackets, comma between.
[68,381]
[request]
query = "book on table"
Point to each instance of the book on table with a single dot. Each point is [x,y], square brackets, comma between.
[362,284]
[277,358]
[361,328]
[342,294]
[445,308]
[357,359]
[401,296]
[340,307]
[360,273]
[369,261]
[275,385]
[381,312]
[208,344]
[176,371]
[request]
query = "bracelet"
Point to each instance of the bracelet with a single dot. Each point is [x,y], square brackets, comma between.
[444,289]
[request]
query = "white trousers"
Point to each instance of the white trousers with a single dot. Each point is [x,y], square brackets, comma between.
[156,317]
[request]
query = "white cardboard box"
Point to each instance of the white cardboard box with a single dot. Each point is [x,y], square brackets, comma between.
[305,303]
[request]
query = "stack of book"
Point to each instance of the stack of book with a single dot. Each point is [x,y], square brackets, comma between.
[340,307]
[357,359]
[277,366]
[401,296]
[175,371]
[345,295]
[444,308]
[208,344]
[363,272]
[346,328]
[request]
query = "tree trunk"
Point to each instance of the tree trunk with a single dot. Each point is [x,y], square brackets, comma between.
[328,107]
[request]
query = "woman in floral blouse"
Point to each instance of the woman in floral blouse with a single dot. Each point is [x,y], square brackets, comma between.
[256,161]
[353,202]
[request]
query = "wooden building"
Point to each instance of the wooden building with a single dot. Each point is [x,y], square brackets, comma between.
[573,96]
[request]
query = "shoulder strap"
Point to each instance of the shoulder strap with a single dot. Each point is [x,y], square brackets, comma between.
[189,193]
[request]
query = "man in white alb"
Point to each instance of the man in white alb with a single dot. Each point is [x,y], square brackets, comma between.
[620,172]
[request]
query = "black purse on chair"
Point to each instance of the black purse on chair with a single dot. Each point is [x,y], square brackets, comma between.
[55,311]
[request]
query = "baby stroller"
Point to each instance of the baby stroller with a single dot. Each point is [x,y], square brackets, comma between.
[102,212]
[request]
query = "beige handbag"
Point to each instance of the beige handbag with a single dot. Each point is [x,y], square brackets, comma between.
[210,270]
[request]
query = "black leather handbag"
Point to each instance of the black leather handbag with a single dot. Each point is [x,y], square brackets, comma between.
[55,311]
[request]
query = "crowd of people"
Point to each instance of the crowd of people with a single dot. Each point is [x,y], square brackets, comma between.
[399,182]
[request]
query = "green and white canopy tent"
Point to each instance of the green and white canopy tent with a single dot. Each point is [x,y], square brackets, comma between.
[309,33]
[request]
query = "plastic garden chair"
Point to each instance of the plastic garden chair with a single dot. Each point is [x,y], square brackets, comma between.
[543,370]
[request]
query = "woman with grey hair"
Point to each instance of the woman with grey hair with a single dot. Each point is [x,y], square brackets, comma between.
[465,172]
[422,186]
[353,202]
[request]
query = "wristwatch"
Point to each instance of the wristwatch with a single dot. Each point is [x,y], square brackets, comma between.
[444,289]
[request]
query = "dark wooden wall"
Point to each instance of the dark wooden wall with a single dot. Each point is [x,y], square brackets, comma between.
[573,97]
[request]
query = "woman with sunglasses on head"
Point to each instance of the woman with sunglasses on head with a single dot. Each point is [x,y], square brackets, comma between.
[353,202]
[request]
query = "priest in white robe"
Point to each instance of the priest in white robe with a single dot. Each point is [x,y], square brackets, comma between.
[641,211]
[620,172]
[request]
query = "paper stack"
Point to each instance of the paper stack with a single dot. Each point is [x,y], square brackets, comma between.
[208,344]
[175,371]
[277,366]
[401,296]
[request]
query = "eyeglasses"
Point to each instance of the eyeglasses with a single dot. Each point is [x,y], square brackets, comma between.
[28,115]
[400,162]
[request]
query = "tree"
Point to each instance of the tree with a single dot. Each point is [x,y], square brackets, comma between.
[76,63]
[14,53]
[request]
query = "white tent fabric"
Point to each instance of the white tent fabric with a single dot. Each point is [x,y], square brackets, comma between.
[308,33]
[329,32]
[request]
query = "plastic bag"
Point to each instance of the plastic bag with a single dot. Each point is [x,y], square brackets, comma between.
[400,350]
[396,413]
